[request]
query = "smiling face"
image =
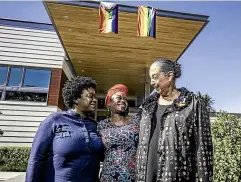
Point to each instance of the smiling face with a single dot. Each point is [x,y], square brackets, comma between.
[118,103]
[159,80]
[87,102]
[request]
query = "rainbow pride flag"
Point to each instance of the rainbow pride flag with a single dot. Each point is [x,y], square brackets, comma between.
[108,17]
[146,22]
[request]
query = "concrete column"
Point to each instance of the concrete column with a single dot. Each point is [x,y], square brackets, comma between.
[147,83]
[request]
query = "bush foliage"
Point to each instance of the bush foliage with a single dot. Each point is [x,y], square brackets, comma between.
[14,158]
[226,132]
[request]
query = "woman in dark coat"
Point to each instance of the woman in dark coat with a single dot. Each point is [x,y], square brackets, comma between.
[175,138]
[66,146]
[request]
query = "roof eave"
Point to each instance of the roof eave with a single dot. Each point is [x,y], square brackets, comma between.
[134,9]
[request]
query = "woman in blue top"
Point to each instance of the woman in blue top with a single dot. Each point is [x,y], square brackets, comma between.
[66,147]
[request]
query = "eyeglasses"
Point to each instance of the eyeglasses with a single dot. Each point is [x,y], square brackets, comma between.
[118,98]
[155,76]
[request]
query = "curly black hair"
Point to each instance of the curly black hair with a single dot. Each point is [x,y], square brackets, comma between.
[73,89]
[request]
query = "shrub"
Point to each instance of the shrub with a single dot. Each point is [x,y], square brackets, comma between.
[14,158]
[226,131]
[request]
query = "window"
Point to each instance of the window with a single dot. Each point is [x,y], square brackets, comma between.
[42,75]
[101,104]
[15,76]
[131,103]
[24,84]
[1,94]
[3,74]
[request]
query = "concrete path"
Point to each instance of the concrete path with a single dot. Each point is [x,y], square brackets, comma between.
[19,178]
[12,176]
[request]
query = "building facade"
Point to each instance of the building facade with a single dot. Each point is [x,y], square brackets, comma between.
[36,59]
[32,72]
[33,69]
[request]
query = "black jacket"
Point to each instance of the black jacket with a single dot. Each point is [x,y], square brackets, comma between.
[185,151]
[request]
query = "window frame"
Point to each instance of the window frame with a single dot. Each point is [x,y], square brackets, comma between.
[21,87]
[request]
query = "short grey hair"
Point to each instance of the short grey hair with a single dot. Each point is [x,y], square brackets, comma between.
[167,65]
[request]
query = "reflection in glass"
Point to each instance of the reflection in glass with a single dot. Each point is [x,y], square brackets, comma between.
[1,94]
[26,96]
[3,74]
[131,103]
[101,104]
[15,77]
[37,78]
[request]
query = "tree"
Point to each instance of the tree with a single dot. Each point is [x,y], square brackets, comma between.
[208,101]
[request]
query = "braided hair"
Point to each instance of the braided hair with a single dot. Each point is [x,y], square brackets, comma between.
[167,65]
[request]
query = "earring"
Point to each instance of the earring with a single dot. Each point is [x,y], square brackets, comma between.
[108,113]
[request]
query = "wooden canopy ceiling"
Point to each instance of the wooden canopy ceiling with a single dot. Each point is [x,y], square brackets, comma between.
[123,57]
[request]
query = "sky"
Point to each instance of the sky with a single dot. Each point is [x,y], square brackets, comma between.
[212,64]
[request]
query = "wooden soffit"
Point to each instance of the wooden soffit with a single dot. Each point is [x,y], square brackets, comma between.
[123,57]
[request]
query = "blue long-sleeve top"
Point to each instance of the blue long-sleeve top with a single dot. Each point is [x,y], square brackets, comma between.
[66,148]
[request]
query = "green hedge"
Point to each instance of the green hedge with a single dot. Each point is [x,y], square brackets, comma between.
[14,158]
[226,131]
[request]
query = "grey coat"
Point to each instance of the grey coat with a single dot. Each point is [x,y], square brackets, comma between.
[185,151]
